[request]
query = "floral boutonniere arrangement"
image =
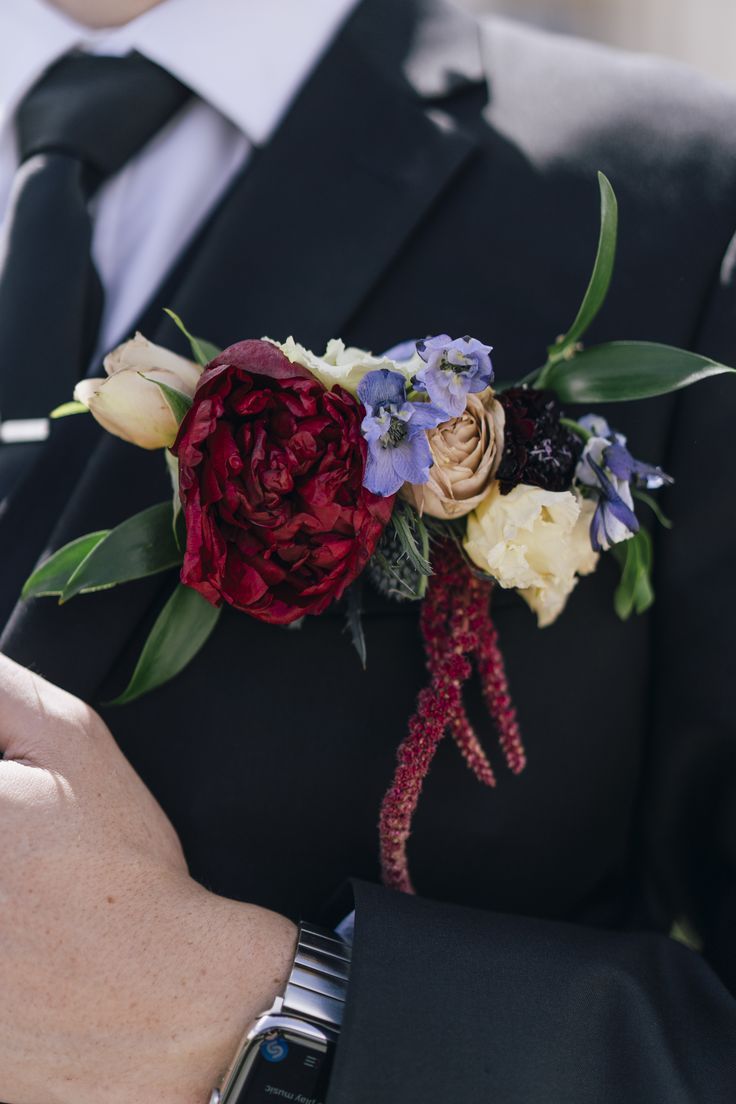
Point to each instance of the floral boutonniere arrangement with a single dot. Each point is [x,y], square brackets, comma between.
[298,479]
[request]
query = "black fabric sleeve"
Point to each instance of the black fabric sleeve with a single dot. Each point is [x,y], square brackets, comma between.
[449,1005]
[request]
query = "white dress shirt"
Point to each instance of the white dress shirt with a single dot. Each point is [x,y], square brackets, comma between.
[244,59]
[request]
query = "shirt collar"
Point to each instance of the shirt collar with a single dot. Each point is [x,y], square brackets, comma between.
[34,36]
[247,58]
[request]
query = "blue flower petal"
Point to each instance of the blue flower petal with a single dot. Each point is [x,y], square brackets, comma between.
[617,509]
[426,415]
[382,387]
[438,384]
[649,476]
[405,350]
[613,507]
[431,345]
[452,370]
[619,461]
[380,475]
[595,424]
[373,427]
[476,384]
[413,459]
[598,531]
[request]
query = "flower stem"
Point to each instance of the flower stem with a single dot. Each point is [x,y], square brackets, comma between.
[576,428]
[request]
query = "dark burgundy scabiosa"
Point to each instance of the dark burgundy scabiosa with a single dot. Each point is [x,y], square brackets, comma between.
[538,450]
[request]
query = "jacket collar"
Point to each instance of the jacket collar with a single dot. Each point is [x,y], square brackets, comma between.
[322,211]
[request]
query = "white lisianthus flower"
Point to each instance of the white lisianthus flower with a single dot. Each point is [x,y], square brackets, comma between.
[534,541]
[128,403]
[341,364]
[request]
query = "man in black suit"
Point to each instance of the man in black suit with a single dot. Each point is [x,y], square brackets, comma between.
[429,176]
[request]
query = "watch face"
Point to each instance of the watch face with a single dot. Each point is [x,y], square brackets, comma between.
[288,1068]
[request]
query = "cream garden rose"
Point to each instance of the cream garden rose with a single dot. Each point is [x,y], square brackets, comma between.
[343,365]
[466,452]
[534,541]
[128,403]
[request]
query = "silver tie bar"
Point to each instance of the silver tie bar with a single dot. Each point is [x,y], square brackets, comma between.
[23,431]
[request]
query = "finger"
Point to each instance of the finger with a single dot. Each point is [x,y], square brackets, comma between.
[32,712]
[21,701]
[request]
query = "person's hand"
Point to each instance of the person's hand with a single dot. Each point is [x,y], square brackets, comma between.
[121,979]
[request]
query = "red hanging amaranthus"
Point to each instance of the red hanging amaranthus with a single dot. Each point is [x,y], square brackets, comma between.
[456,628]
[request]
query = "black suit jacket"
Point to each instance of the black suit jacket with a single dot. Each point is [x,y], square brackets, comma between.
[435,177]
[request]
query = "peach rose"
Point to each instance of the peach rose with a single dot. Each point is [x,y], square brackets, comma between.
[466,451]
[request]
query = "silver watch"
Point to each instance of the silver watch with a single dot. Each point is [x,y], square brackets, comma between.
[287,1054]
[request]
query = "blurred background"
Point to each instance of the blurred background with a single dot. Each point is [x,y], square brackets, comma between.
[701,32]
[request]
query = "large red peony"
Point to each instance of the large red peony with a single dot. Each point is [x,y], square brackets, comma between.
[271,478]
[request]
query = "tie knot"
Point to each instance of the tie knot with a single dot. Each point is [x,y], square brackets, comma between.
[100,110]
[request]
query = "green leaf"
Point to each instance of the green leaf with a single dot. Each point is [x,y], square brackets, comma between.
[355,622]
[623,598]
[52,576]
[683,931]
[600,280]
[143,545]
[179,403]
[181,630]
[634,592]
[623,370]
[177,520]
[654,506]
[207,349]
[407,523]
[644,591]
[414,542]
[402,588]
[68,408]
[202,351]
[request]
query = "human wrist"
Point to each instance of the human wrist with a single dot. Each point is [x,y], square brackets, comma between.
[233,961]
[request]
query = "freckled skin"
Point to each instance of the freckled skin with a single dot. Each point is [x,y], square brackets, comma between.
[122,980]
[104,996]
[104,13]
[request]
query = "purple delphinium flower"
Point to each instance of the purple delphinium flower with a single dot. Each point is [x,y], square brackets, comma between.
[398,450]
[619,460]
[453,369]
[609,470]
[404,351]
[614,519]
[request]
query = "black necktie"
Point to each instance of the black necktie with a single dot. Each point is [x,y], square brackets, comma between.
[78,126]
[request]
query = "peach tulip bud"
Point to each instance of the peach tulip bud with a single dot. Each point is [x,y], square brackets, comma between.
[129,403]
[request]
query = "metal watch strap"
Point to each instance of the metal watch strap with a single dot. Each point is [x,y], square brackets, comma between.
[318,983]
[314,996]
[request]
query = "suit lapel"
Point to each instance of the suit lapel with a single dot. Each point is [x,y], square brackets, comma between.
[319,214]
[296,245]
